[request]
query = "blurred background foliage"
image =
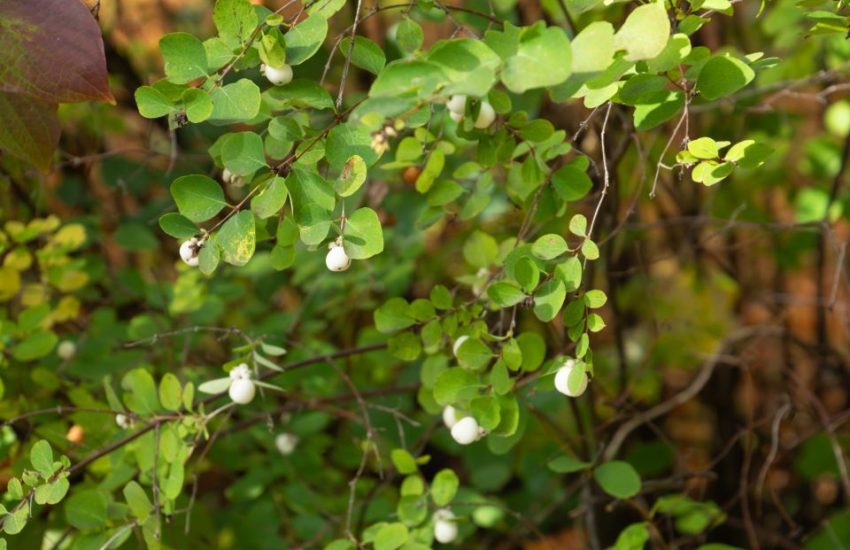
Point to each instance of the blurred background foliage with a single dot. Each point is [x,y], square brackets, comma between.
[762,446]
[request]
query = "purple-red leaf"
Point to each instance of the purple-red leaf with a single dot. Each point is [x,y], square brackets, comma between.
[52,50]
[29,128]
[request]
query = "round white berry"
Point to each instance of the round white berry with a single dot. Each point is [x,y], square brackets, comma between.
[457,117]
[486,116]
[466,431]
[278,76]
[242,391]
[445,528]
[286,443]
[189,251]
[240,371]
[66,350]
[458,343]
[337,259]
[562,378]
[457,104]
[450,416]
[122,421]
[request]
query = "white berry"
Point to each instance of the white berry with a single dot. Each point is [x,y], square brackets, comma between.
[242,391]
[466,431]
[66,350]
[562,378]
[278,76]
[457,117]
[458,343]
[122,421]
[486,116]
[450,416]
[240,371]
[189,251]
[286,443]
[457,104]
[445,528]
[337,259]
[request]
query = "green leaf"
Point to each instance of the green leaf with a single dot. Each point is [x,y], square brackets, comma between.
[198,198]
[137,500]
[237,238]
[198,104]
[391,536]
[152,103]
[444,487]
[617,478]
[140,392]
[748,154]
[409,35]
[352,177]
[633,537]
[710,172]
[271,199]
[87,509]
[53,492]
[404,461]
[366,54]
[593,48]
[469,65]
[549,299]
[703,148]
[407,76]
[473,354]
[393,315]
[578,225]
[301,93]
[347,140]
[41,457]
[723,75]
[567,465]
[549,247]
[242,153]
[526,274]
[185,57]
[239,101]
[305,39]
[455,383]
[170,392]
[480,249]
[644,33]
[486,411]
[405,346]
[505,294]
[235,21]
[543,59]
[362,235]
[571,183]
[595,299]
[36,345]
[658,110]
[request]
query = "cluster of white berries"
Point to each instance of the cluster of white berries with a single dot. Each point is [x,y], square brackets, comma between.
[457,109]
[380,139]
[190,250]
[445,527]
[562,378]
[242,388]
[232,179]
[66,350]
[337,259]
[464,429]
[279,76]
[286,443]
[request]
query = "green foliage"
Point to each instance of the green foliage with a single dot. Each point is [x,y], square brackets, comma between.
[492,237]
